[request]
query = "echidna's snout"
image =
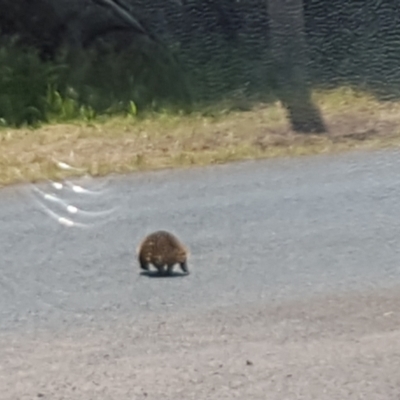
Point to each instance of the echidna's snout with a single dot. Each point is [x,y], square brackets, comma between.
[184,267]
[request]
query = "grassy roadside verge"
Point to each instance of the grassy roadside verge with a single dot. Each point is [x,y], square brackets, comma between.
[120,145]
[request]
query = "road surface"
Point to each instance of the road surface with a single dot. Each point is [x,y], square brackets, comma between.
[293,291]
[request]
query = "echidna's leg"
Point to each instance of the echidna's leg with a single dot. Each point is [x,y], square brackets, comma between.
[160,269]
[143,264]
[184,267]
[170,269]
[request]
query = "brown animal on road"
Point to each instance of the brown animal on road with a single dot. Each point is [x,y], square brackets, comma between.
[162,248]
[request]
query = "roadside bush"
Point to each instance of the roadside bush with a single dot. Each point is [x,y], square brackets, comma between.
[24,83]
[84,84]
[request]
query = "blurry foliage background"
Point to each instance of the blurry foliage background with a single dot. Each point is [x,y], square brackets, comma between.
[186,53]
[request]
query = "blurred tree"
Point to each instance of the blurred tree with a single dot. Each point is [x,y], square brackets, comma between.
[289,52]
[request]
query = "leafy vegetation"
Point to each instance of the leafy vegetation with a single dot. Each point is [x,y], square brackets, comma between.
[81,86]
[142,110]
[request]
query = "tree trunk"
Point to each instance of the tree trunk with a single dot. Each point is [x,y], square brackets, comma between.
[289,52]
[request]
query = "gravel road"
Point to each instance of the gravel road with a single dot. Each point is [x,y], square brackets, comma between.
[293,291]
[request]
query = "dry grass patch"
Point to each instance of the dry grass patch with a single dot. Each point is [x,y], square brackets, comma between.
[125,144]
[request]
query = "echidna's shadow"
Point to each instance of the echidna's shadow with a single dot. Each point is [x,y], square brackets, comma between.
[155,274]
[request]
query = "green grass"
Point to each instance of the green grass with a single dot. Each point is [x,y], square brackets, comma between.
[155,140]
[110,116]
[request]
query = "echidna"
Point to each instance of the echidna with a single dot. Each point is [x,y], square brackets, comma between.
[162,249]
